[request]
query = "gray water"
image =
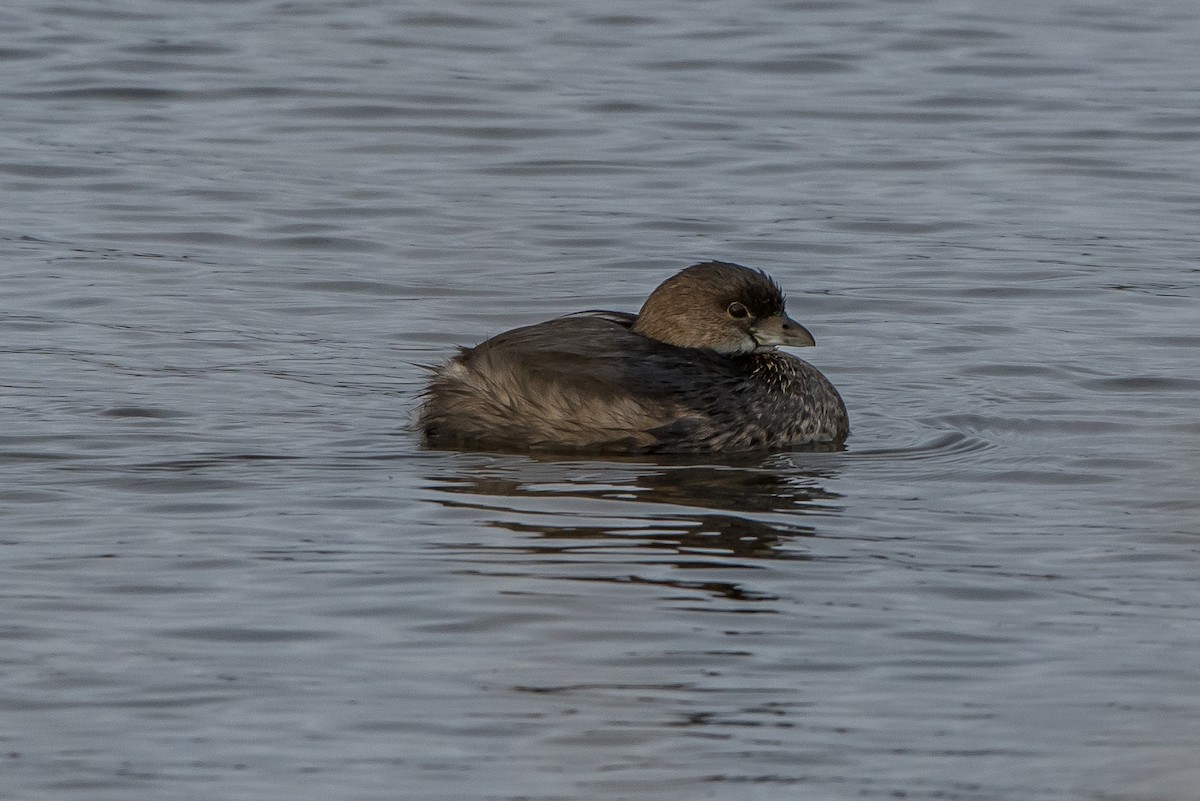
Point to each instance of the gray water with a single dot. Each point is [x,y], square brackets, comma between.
[231,232]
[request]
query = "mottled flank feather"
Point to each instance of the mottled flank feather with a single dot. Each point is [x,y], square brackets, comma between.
[592,382]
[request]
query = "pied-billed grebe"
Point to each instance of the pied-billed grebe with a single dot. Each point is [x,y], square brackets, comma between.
[695,370]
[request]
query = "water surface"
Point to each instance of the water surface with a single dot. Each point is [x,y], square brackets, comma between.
[233,232]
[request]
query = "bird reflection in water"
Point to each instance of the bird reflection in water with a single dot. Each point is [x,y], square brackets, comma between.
[691,516]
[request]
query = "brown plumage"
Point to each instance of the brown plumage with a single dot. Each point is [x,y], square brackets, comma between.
[695,370]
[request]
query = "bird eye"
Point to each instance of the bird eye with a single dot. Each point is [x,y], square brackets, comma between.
[737,311]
